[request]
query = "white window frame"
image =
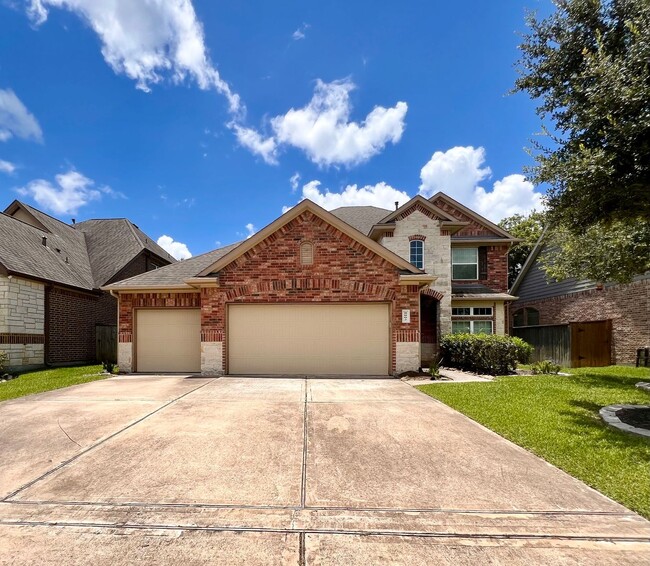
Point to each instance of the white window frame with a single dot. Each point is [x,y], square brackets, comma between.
[471,326]
[482,314]
[421,242]
[453,263]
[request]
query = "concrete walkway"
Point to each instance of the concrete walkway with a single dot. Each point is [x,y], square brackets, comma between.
[168,470]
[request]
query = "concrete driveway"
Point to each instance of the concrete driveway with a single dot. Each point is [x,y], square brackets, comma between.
[167,470]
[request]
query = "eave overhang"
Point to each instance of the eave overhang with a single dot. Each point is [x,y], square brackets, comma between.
[421,280]
[484,296]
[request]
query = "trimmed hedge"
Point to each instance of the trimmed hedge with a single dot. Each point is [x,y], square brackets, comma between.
[484,353]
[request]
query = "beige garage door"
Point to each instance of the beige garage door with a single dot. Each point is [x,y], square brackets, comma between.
[168,340]
[313,339]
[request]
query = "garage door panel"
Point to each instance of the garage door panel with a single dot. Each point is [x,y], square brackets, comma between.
[321,339]
[168,340]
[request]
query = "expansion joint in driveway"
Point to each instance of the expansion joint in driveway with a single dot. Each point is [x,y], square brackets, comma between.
[303,480]
[97,444]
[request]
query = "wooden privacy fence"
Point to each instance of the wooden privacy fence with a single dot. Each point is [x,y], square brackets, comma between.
[577,344]
[106,343]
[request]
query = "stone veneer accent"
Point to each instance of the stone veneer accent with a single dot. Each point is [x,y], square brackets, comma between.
[437,255]
[212,362]
[22,312]
[125,356]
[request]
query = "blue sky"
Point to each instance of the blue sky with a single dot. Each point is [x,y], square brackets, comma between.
[200,120]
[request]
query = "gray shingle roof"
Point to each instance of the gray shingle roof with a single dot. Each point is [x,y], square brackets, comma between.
[107,259]
[85,256]
[176,273]
[22,251]
[363,218]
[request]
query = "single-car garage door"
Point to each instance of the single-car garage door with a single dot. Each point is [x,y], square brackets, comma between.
[168,340]
[318,339]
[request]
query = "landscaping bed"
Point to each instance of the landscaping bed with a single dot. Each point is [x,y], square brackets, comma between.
[49,379]
[557,418]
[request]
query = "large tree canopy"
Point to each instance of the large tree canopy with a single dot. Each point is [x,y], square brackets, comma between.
[588,64]
[528,229]
[616,252]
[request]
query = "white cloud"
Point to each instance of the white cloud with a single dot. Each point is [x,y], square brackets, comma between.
[250,230]
[147,40]
[16,120]
[380,195]
[252,140]
[74,190]
[511,195]
[294,180]
[7,167]
[458,172]
[323,130]
[176,249]
[300,33]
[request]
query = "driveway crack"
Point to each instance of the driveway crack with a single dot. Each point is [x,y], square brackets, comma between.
[96,445]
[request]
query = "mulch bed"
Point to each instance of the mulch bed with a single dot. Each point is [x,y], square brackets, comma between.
[639,418]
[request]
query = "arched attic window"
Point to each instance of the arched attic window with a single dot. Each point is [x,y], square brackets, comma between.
[306,253]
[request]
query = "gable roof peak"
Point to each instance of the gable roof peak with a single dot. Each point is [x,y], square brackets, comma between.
[303,206]
[471,213]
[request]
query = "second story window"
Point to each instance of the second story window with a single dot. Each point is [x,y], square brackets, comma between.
[417,253]
[464,263]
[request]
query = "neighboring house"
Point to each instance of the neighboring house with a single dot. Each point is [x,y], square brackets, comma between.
[605,323]
[359,290]
[50,279]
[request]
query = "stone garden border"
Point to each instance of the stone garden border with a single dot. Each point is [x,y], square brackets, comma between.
[608,414]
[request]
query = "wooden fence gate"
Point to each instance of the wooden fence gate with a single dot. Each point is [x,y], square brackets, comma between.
[591,344]
[106,343]
[578,344]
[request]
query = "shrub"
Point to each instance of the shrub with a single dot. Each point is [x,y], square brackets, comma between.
[545,367]
[4,360]
[434,368]
[108,366]
[484,353]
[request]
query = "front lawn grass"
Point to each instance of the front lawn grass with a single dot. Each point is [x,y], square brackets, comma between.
[556,417]
[48,379]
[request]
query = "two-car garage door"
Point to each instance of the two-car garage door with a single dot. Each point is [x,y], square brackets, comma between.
[309,339]
[318,339]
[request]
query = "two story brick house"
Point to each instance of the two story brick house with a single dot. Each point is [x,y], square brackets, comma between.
[50,274]
[357,291]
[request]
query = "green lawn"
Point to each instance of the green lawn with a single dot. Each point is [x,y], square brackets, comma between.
[48,379]
[556,417]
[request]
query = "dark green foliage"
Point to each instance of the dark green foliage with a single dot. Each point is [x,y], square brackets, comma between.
[528,229]
[4,359]
[588,65]
[484,353]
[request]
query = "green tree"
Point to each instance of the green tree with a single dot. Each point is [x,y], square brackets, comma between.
[614,252]
[588,65]
[528,229]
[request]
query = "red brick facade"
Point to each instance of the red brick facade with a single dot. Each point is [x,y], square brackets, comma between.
[497,270]
[627,306]
[343,270]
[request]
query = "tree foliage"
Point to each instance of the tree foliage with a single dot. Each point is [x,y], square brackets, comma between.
[614,252]
[528,229]
[588,65]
